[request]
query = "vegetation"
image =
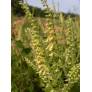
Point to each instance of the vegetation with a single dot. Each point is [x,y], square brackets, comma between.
[45,52]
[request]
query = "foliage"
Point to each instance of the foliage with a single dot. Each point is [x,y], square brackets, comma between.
[46,57]
[16,7]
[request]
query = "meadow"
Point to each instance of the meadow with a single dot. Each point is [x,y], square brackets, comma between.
[45,52]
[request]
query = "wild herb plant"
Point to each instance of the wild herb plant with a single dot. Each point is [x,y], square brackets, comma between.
[54,58]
